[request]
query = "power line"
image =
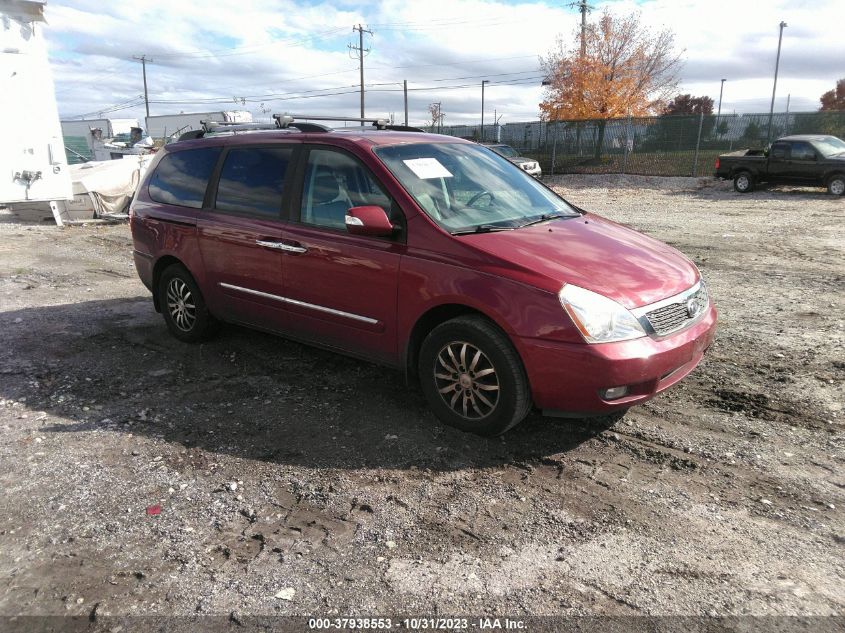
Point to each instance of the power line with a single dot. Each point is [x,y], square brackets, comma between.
[468,61]
[246,50]
[265,96]
[131,103]
[344,90]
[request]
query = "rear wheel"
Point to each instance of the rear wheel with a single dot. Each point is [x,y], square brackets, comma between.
[836,184]
[183,306]
[743,182]
[473,377]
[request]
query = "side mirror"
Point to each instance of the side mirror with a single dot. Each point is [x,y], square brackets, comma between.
[368,220]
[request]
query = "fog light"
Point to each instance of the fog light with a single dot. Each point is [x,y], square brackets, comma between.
[614,392]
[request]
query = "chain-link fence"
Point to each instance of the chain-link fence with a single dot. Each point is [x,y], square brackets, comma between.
[685,145]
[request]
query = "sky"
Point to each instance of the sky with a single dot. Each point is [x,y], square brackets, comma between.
[276,56]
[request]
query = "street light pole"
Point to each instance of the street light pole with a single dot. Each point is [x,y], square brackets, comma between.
[775,87]
[485,81]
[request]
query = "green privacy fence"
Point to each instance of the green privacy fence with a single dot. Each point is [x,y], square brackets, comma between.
[685,145]
[76,148]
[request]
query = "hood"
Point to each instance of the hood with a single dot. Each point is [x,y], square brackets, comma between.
[520,160]
[594,253]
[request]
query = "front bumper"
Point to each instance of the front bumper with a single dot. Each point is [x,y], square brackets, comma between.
[566,378]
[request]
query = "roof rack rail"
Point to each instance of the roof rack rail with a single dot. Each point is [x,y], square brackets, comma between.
[231,126]
[292,120]
[403,128]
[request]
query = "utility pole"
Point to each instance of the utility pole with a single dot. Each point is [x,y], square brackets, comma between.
[405,88]
[775,87]
[361,50]
[719,111]
[485,81]
[584,8]
[144,59]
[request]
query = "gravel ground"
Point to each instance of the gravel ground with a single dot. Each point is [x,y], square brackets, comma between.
[294,481]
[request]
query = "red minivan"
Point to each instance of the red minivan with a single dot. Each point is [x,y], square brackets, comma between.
[423,252]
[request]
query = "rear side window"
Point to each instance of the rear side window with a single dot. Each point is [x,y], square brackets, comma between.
[802,151]
[181,178]
[252,180]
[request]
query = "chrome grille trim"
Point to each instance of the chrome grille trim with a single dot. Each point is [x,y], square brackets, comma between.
[670,315]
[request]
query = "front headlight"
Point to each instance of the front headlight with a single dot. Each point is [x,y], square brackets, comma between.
[599,319]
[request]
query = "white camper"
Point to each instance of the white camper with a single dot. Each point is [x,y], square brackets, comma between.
[33,165]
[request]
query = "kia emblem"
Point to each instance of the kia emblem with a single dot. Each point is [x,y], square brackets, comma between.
[692,307]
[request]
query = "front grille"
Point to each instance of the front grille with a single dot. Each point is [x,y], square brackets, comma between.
[674,316]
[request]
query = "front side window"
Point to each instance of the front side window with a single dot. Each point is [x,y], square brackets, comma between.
[802,151]
[334,182]
[181,178]
[779,150]
[252,180]
[465,187]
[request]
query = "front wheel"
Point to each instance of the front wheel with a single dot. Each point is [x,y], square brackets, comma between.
[836,185]
[473,377]
[743,182]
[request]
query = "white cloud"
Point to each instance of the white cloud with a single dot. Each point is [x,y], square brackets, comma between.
[263,49]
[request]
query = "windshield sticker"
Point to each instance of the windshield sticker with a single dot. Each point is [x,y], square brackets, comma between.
[425,168]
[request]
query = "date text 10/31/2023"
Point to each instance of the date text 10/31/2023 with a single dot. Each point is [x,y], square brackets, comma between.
[416,624]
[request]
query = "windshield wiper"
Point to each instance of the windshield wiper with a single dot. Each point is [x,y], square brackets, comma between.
[483,228]
[546,217]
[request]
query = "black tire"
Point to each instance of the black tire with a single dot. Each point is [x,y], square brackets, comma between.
[744,182]
[836,185]
[183,306]
[471,385]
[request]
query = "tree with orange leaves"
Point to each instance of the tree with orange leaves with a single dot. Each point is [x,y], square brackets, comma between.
[834,99]
[625,69]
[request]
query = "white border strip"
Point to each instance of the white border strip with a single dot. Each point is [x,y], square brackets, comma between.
[302,304]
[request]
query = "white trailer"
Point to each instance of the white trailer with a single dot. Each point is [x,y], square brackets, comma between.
[33,165]
[110,127]
[167,126]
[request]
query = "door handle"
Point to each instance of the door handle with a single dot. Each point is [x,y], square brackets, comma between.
[281,246]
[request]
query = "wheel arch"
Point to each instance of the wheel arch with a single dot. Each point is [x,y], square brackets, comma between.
[429,320]
[162,263]
[743,170]
[836,171]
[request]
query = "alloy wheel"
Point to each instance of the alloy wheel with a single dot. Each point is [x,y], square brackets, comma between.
[180,304]
[466,380]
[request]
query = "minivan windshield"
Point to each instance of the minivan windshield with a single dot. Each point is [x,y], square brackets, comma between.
[467,188]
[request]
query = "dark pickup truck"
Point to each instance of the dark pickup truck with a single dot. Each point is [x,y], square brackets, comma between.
[810,159]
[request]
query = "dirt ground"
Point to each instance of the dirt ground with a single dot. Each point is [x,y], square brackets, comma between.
[295,481]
